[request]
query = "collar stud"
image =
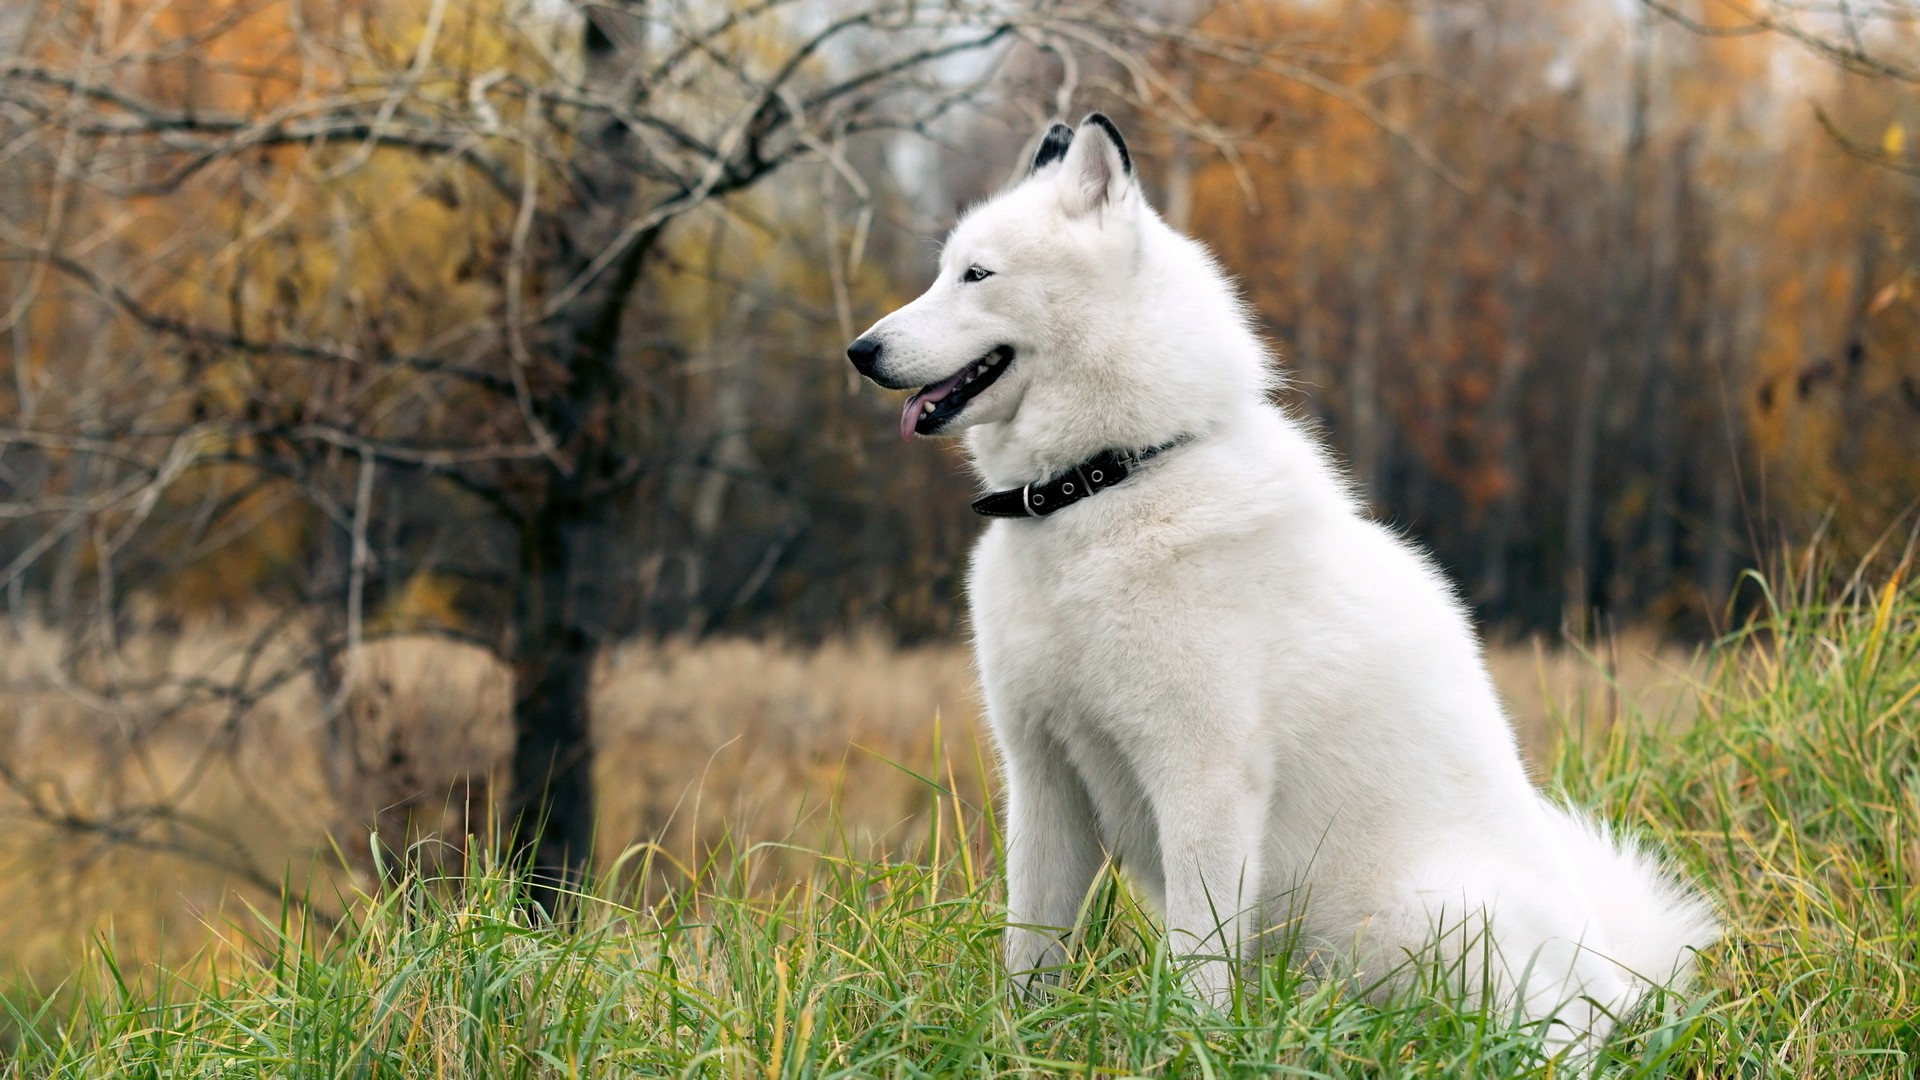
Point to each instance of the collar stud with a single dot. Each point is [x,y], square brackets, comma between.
[1090,477]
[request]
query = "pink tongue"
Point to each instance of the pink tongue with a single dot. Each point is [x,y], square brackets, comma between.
[910,412]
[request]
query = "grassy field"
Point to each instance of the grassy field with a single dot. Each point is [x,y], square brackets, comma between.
[1790,786]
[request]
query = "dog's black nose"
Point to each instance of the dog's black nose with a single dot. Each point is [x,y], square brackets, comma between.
[865,354]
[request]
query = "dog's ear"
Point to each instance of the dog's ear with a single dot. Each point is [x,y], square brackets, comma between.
[1097,171]
[1053,147]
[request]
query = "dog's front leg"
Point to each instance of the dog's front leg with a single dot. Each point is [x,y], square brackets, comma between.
[1053,853]
[1209,816]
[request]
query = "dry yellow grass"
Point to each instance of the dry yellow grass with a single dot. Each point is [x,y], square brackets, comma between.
[1550,688]
[751,740]
[761,740]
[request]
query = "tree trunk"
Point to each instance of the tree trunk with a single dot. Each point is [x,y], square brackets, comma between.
[1581,478]
[728,449]
[1733,333]
[551,802]
[1308,364]
[1363,380]
[1617,336]
[1180,168]
[1717,566]
[567,534]
[1669,339]
[1503,424]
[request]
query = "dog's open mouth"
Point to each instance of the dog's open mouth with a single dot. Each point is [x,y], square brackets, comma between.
[931,407]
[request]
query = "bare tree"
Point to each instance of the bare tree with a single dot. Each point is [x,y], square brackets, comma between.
[232,368]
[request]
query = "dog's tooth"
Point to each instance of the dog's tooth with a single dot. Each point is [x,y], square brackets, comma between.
[927,407]
[981,370]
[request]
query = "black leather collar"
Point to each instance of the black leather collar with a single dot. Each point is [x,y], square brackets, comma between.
[1090,477]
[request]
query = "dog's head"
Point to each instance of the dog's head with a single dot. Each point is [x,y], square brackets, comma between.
[1026,285]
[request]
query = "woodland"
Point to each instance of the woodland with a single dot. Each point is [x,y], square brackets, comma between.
[518,324]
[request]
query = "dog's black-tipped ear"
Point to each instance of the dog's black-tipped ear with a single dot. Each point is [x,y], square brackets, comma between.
[1097,171]
[1112,131]
[1053,147]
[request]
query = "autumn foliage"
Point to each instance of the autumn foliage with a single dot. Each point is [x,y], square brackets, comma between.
[1592,303]
[519,323]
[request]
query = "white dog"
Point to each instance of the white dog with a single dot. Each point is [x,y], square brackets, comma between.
[1201,660]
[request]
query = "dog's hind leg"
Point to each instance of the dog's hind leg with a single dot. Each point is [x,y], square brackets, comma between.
[1053,852]
[1524,945]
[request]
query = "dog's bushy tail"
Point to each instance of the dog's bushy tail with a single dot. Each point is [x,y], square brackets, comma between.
[1654,923]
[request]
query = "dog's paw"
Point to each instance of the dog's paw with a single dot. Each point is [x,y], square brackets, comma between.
[1210,983]
[1031,987]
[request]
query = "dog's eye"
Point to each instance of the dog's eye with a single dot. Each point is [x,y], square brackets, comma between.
[974,274]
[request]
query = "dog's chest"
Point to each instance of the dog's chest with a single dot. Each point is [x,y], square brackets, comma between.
[1079,638]
[1067,624]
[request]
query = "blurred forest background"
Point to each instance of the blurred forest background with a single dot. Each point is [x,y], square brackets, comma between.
[428,413]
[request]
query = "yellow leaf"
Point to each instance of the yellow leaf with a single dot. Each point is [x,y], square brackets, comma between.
[1895,140]
[1884,297]
[426,601]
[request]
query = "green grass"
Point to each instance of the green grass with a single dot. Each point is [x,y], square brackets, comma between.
[1794,798]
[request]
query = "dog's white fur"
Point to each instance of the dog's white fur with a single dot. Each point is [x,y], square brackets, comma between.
[1269,709]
